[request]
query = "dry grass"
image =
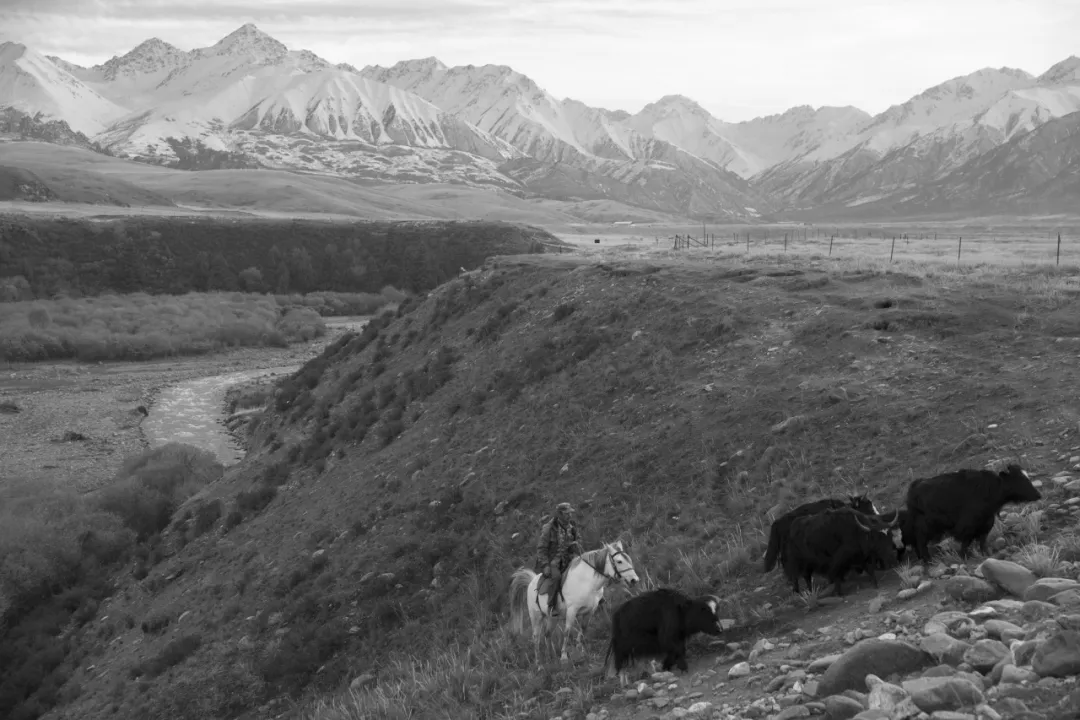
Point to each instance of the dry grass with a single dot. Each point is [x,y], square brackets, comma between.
[910,575]
[142,327]
[1011,242]
[1043,560]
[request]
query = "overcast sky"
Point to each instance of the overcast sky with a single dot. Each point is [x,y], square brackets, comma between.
[738,58]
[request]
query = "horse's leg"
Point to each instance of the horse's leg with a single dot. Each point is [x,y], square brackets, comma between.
[584,618]
[537,620]
[571,615]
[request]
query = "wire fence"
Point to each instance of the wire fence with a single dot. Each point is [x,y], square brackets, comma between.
[935,246]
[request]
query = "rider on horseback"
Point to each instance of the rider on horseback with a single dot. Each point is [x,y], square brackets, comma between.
[555,549]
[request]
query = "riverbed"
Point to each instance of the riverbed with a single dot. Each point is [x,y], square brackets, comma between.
[190,412]
[78,422]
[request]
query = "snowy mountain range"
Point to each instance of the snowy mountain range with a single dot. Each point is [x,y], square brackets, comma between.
[251,97]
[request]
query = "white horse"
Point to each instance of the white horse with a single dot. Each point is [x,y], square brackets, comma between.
[582,591]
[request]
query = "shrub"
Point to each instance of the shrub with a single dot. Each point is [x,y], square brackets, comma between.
[149,487]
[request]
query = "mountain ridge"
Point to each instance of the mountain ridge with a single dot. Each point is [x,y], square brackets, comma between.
[421,120]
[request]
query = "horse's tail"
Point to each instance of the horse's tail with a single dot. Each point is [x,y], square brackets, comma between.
[773,551]
[519,610]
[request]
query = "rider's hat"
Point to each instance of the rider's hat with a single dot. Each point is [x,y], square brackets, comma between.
[565,507]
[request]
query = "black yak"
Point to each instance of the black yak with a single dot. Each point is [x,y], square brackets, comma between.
[778,531]
[658,623]
[835,541]
[964,505]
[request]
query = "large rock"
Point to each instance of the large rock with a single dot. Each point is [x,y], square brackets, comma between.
[1003,630]
[943,693]
[841,707]
[985,654]
[1067,599]
[1045,588]
[970,589]
[1011,577]
[890,698]
[1059,656]
[945,648]
[1038,609]
[1024,651]
[878,657]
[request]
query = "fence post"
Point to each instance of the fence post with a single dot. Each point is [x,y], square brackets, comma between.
[891,249]
[831,238]
[959,244]
[785,242]
[1059,250]
[748,243]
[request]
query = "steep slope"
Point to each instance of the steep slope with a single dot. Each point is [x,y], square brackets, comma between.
[575,151]
[31,83]
[1037,171]
[925,138]
[398,479]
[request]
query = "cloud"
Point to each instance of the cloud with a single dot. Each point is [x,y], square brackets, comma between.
[750,57]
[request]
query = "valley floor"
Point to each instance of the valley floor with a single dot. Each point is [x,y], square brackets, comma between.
[77,422]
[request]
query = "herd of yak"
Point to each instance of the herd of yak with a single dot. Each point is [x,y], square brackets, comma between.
[829,537]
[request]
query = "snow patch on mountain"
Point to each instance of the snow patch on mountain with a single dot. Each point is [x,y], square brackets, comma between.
[32,83]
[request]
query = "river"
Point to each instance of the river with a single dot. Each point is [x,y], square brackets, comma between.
[191,412]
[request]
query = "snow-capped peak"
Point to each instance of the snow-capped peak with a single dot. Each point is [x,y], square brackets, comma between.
[413,72]
[32,83]
[674,104]
[1066,72]
[248,40]
[147,57]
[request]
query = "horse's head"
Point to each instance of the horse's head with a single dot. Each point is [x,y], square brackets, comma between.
[619,566]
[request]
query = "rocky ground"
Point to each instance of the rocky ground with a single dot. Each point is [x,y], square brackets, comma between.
[980,640]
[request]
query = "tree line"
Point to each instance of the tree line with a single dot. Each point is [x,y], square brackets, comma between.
[68,257]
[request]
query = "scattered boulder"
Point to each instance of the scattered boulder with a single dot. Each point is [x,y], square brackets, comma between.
[945,648]
[985,654]
[1011,577]
[893,699]
[931,694]
[1059,656]
[878,657]
[1045,588]
[970,589]
[841,707]
[1003,630]
[1069,599]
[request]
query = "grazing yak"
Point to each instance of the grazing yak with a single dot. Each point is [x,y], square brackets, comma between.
[779,530]
[832,542]
[964,505]
[658,623]
[901,518]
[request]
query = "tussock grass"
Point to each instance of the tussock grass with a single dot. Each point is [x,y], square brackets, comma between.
[497,676]
[1043,560]
[910,575]
[143,327]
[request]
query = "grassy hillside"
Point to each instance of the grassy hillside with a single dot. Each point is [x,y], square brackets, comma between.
[400,477]
[176,255]
[73,174]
